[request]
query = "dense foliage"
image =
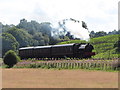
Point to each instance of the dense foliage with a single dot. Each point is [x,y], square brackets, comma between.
[23,37]
[10,58]
[9,42]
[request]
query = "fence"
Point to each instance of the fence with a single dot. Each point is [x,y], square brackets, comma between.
[69,64]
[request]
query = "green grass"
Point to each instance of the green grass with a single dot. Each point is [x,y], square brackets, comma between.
[73,41]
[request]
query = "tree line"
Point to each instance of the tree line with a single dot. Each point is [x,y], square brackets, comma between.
[103,33]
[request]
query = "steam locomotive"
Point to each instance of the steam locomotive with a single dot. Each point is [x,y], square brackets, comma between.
[74,50]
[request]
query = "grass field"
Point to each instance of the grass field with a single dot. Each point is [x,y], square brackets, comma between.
[48,78]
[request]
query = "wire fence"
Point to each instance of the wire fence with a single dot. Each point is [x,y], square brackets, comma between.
[73,64]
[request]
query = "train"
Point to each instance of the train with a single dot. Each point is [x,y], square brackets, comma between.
[74,50]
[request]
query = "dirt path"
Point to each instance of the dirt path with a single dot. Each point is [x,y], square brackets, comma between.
[44,78]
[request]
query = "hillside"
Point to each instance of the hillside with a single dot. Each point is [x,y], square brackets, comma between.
[105,46]
[73,41]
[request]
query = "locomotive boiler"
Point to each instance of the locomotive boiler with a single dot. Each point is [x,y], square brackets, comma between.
[74,50]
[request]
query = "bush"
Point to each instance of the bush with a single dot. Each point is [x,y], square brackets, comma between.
[10,58]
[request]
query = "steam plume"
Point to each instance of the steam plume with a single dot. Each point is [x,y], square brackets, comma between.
[75,27]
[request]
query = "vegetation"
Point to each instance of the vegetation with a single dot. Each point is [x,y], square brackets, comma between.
[22,36]
[73,41]
[10,58]
[37,34]
[103,33]
[9,42]
[105,46]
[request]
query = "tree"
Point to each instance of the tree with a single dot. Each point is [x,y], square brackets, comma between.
[100,33]
[45,28]
[69,36]
[33,26]
[54,41]
[22,36]
[41,32]
[10,58]
[8,43]
[39,38]
[23,24]
[92,34]
[46,39]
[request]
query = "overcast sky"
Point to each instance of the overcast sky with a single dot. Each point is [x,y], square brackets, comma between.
[100,15]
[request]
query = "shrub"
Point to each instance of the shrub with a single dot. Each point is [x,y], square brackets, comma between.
[10,58]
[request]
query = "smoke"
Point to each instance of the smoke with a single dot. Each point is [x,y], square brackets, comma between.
[77,28]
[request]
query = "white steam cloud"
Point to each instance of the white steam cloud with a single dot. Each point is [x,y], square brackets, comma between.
[77,30]
[74,27]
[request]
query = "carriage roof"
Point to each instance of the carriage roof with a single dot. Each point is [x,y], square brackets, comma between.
[63,45]
[25,48]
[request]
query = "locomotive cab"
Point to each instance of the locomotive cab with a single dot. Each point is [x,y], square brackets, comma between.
[86,50]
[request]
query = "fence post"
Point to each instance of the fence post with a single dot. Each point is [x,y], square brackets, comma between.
[80,65]
[65,64]
[77,65]
[106,66]
[110,66]
[102,65]
[62,64]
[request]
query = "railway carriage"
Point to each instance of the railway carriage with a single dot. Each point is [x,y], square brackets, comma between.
[42,52]
[62,51]
[75,50]
[26,52]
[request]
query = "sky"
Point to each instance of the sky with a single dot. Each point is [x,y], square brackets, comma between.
[100,15]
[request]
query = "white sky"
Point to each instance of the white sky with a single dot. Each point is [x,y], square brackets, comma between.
[100,15]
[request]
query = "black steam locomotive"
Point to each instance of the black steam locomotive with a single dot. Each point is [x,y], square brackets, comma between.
[81,50]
